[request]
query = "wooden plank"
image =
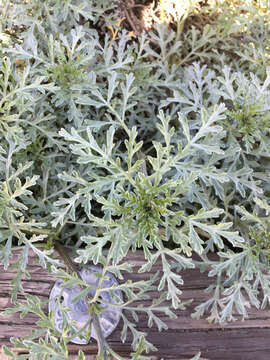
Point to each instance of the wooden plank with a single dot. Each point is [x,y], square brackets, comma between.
[185,336]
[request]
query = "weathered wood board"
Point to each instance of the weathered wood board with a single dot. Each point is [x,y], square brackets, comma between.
[240,340]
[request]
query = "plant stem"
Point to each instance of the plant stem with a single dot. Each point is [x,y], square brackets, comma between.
[73,268]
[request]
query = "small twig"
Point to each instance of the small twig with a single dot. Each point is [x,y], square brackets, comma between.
[102,345]
[131,22]
[100,338]
[65,257]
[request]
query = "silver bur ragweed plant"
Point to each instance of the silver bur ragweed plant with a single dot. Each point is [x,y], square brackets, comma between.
[156,143]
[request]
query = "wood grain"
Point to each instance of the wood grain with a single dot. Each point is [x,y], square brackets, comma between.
[240,340]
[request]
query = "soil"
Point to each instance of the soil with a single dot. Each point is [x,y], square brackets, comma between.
[141,15]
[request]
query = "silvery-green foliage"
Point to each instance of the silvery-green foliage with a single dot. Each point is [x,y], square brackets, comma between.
[157,144]
[147,207]
[54,16]
[242,275]
[246,121]
[255,43]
